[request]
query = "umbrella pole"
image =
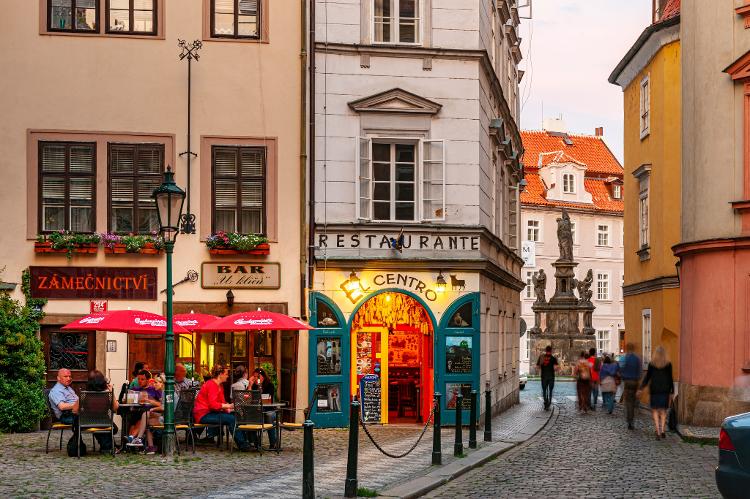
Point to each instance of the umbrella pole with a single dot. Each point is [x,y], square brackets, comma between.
[169,442]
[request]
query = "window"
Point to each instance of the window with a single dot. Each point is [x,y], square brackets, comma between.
[569,186]
[532,230]
[396,21]
[235,18]
[73,15]
[602,235]
[401,180]
[239,189]
[617,191]
[602,286]
[573,232]
[67,184]
[645,106]
[530,284]
[643,210]
[602,341]
[135,170]
[646,333]
[131,16]
[463,317]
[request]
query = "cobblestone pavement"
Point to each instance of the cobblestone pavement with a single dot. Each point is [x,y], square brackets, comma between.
[592,455]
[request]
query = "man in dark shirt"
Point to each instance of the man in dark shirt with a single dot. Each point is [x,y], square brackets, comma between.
[547,365]
[631,375]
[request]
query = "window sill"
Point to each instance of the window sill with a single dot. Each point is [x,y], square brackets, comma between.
[261,249]
[645,133]
[236,40]
[85,34]
[81,249]
[644,253]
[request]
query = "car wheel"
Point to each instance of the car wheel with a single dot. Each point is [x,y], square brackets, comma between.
[522,386]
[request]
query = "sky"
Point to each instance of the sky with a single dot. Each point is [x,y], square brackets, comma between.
[570,47]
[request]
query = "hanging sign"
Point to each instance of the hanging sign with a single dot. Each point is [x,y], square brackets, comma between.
[97,306]
[528,253]
[114,283]
[240,275]
[369,389]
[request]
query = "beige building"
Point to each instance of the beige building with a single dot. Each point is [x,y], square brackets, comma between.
[94,109]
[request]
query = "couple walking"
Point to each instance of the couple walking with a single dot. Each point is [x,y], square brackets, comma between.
[594,374]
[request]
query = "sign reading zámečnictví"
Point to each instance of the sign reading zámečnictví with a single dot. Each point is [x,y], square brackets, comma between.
[113,283]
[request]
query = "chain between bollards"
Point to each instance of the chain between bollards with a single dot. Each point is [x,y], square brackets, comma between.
[458,445]
[473,421]
[488,414]
[437,454]
[308,467]
[350,487]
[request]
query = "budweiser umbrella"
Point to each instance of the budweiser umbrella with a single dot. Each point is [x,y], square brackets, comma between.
[193,321]
[126,321]
[255,321]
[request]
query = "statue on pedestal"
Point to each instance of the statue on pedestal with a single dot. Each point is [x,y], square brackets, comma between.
[565,237]
[584,288]
[539,279]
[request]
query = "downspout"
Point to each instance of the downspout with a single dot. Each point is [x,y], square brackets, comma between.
[303,255]
[311,147]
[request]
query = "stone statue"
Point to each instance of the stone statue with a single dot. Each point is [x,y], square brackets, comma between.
[584,288]
[565,237]
[539,280]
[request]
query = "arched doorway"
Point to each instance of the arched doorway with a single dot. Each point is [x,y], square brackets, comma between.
[392,337]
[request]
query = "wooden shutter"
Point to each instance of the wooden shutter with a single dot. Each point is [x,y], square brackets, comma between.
[432,179]
[363,185]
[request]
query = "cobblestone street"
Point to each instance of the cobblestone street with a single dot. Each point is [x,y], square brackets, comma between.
[592,455]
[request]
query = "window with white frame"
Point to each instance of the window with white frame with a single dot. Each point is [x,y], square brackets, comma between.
[602,341]
[532,230]
[646,334]
[602,286]
[528,346]
[617,191]
[396,21]
[530,284]
[643,210]
[569,184]
[645,106]
[602,235]
[401,180]
[573,232]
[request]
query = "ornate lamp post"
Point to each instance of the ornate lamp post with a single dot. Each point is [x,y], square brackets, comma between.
[169,199]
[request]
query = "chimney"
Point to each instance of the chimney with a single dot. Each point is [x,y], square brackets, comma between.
[599,131]
[555,125]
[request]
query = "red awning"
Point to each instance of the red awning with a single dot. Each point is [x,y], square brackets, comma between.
[258,320]
[193,321]
[125,321]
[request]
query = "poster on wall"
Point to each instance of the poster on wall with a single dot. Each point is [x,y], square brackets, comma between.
[451,393]
[369,389]
[329,356]
[328,397]
[458,355]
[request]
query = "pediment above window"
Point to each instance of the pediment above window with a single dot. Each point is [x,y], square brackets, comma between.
[740,69]
[395,100]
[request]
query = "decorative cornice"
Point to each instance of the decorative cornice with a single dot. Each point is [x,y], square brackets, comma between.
[666,282]
[741,206]
[641,170]
[395,100]
[623,75]
[693,247]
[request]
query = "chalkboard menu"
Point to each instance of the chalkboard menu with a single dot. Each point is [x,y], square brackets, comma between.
[458,355]
[369,389]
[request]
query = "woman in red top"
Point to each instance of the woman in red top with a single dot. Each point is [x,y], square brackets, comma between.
[211,407]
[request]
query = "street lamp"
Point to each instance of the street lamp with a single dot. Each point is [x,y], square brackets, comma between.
[169,199]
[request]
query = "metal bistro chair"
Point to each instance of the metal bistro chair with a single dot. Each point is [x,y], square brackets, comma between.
[248,414]
[183,418]
[95,416]
[293,425]
[55,425]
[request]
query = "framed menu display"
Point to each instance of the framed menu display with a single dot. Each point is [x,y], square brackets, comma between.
[458,354]
[369,389]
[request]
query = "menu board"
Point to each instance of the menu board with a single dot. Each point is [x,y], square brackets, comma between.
[458,354]
[329,356]
[369,389]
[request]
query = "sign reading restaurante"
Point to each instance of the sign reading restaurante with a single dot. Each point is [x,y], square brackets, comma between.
[410,241]
[117,283]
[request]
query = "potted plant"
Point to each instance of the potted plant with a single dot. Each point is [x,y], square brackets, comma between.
[144,244]
[67,242]
[233,243]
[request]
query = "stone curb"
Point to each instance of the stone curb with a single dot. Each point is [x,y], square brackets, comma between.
[688,436]
[420,486]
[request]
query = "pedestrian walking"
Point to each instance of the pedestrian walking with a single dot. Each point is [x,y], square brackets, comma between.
[596,364]
[659,377]
[608,381]
[582,373]
[547,365]
[631,375]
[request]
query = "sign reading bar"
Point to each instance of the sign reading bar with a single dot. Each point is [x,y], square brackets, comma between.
[114,283]
[240,275]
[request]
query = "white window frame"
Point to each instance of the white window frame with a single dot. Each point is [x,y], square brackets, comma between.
[535,230]
[602,340]
[646,335]
[617,191]
[573,233]
[645,106]
[530,293]
[396,25]
[606,295]
[569,183]
[643,211]
[605,233]
[364,180]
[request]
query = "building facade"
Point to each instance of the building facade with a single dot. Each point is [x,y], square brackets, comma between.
[579,173]
[95,110]
[650,76]
[416,214]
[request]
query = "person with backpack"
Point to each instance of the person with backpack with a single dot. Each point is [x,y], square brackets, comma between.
[596,365]
[582,373]
[608,381]
[547,365]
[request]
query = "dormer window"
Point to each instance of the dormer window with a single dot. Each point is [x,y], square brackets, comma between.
[569,185]
[617,191]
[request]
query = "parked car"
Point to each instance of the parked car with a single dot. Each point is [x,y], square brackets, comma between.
[733,472]
[523,378]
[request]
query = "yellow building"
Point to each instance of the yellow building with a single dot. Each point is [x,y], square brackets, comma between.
[649,75]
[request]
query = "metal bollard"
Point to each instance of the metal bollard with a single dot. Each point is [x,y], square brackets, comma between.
[488,415]
[350,488]
[473,421]
[308,467]
[437,453]
[458,445]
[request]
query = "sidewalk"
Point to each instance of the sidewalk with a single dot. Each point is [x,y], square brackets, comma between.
[699,434]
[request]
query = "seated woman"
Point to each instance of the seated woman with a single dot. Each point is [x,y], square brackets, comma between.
[211,407]
[259,381]
[153,416]
[98,383]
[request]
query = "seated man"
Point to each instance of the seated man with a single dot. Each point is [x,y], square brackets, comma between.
[180,379]
[211,408]
[63,398]
[146,385]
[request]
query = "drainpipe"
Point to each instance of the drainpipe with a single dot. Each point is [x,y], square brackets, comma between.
[311,147]
[304,256]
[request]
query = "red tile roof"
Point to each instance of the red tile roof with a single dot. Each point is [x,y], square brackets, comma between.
[671,9]
[585,149]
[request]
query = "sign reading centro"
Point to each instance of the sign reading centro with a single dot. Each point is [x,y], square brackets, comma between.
[69,283]
[406,281]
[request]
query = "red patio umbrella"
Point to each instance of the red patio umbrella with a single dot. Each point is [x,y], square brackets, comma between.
[126,321]
[193,321]
[257,320]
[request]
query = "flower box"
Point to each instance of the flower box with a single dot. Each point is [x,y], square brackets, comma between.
[260,249]
[121,249]
[80,249]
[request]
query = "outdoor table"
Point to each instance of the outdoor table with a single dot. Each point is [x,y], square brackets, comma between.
[128,409]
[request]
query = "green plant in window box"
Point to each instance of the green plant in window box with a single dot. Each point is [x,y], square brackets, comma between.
[67,242]
[132,243]
[233,242]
